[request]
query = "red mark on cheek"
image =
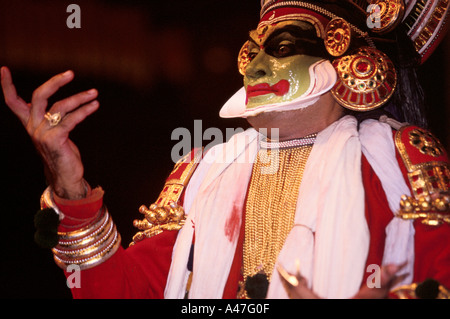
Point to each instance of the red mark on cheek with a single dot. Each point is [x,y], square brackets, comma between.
[233,224]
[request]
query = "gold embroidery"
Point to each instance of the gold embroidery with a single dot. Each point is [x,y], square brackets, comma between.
[426,142]
[431,27]
[426,178]
[431,212]
[166,213]
[429,181]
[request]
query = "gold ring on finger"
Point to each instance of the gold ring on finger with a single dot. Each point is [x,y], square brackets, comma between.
[53,119]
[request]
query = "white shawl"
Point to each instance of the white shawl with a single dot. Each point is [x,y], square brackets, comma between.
[330,238]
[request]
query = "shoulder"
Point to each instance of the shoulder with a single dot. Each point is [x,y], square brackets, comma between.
[166,213]
[417,146]
[425,163]
[424,158]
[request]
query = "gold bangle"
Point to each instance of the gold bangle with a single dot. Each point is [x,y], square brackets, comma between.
[89,237]
[47,201]
[74,236]
[89,246]
[93,260]
[94,242]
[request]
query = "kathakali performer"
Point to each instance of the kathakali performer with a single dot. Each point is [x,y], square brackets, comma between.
[337,191]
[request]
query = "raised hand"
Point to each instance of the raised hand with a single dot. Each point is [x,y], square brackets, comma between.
[49,129]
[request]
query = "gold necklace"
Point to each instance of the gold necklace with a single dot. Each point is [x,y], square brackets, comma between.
[271,205]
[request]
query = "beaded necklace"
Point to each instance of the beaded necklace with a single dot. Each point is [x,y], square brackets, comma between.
[271,203]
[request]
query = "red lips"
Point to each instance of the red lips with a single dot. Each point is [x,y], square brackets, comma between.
[279,89]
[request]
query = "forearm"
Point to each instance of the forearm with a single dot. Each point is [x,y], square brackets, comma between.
[89,240]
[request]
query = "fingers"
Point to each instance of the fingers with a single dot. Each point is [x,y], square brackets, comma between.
[61,131]
[389,277]
[14,102]
[296,286]
[74,118]
[73,102]
[37,109]
[41,95]
[60,155]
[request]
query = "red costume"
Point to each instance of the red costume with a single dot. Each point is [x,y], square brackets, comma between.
[366,80]
[140,271]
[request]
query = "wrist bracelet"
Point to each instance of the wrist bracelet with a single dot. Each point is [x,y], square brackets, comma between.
[88,246]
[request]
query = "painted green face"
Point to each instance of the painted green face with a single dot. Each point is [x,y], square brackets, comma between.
[279,60]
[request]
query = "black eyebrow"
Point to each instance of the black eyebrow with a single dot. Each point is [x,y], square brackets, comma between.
[314,43]
[295,31]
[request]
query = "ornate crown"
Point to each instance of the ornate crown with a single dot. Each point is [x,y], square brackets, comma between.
[424,21]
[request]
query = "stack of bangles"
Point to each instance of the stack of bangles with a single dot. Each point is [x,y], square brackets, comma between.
[88,246]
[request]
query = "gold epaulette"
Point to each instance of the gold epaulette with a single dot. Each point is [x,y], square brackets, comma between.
[167,213]
[428,172]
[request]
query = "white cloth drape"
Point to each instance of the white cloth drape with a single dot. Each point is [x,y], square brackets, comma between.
[330,239]
[379,149]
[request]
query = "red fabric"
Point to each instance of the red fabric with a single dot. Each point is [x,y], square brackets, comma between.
[432,249]
[284,11]
[78,212]
[139,271]
[232,286]
[378,215]
[432,259]
[430,242]
[130,273]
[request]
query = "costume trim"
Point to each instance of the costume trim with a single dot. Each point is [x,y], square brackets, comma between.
[366,80]
[428,173]
[427,25]
[320,30]
[166,213]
